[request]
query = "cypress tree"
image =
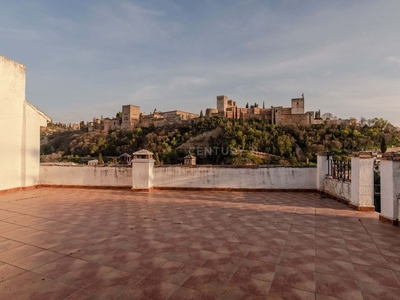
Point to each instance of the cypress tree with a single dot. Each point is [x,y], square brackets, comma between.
[383,145]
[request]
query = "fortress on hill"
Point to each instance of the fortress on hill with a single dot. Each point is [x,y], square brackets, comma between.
[277,115]
[131,117]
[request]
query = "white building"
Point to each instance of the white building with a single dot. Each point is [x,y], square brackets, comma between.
[20,124]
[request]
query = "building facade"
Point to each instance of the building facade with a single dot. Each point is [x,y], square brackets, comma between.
[20,135]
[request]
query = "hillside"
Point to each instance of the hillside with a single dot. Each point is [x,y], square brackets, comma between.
[222,141]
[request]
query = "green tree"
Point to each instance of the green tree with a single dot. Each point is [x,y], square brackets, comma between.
[383,145]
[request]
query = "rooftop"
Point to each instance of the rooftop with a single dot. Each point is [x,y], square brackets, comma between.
[89,244]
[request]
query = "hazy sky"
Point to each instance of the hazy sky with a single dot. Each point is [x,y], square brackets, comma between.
[87,58]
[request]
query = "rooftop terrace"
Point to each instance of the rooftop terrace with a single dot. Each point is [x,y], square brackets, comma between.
[99,244]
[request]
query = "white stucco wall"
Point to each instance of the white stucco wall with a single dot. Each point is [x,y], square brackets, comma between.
[12,97]
[31,149]
[142,173]
[322,166]
[338,188]
[20,129]
[362,181]
[221,177]
[390,188]
[86,176]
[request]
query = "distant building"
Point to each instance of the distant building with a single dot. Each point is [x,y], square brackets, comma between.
[130,116]
[277,115]
[158,118]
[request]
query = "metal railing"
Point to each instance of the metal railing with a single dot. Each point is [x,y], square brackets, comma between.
[339,169]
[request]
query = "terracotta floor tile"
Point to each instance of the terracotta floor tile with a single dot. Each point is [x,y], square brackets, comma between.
[148,289]
[9,244]
[324,232]
[264,254]
[359,237]
[378,292]
[14,234]
[235,249]
[245,288]
[302,229]
[61,266]
[270,243]
[206,243]
[332,253]
[223,262]
[50,291]
[71,246]
[256,269]
[21,284]
[6,227]
[389,250]
[85,276]
[376,275]
[116,283]
[83,295]
[207,281]
[180,239]
[325,297]
[169,235]
[144,264]
[337,286]
[278,292]
[18,253]
[37,259]
[299,247]
[193,256]
[189,294]
[249,239]
[362,246]
[297,260]
[302,237]
[295,278]
[7,271]
[335,267]
[369,259]
[119,257]
[394,262]
[173,272]
[330,242]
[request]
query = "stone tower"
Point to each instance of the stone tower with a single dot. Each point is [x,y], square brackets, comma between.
[298,106]
[130,116]
[222,103]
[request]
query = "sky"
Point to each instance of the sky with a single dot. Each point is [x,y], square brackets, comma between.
[86,59]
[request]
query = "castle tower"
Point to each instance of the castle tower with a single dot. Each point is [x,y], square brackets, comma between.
[298,106]
[222,103]
[130,116]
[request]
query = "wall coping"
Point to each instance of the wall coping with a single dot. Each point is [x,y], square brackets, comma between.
[81,166]
[362,154]
[393,156]
[237,166]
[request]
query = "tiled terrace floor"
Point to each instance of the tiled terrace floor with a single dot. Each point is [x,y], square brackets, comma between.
[99,244]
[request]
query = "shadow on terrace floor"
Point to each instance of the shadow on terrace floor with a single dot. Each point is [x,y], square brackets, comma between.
[102,244]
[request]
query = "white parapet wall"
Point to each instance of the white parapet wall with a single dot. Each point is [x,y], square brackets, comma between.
[86,176]
[337,188]
[220,177]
